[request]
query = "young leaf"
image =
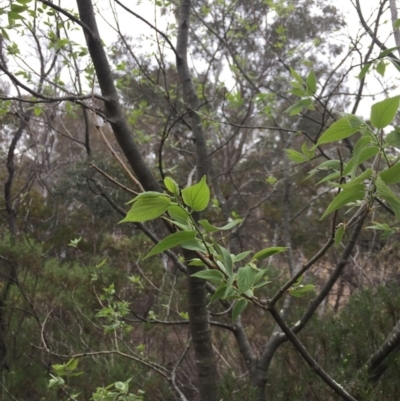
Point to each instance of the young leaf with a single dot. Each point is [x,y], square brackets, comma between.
[296,108]
[387,230]
[364,71]
[381,67]
[146,208]
[171,241]
[312,82]
[241,256]
[386,193]
[267,252]
[383,113]
[171,185]
[178,214]
[365,154]
[211,228]
[393,138]
[197,196]
[229,284]
[301,290]
[295,156]
[296,76]
[239,307]
[339,234]
[196,262]
[219,293]
[360,179]
[193,245]
[72,364]
[358,148]
[225,257]
[245,278]
[391,175]
[387,51]
[329,177]
[339,130]
[210,275]
[348,195]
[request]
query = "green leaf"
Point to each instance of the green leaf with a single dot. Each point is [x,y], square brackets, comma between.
[229,284]
[386,193]
[147,206]
[225,257]
[245,278]
[383,113]
[239,307]
[361,144]
[72,364]
[387,51]
[364,70]
[312,82]
[5,34]
[171,241]
[16,8]
[381,68]
[211,275]
[387,230]
[339,130]
[296,76]
[219,293]
[364,155]
[296,108]
[194,245]
[339,234]
[14,16]
[211,228]
[241,256]
[301,290]
[329,177]
[196,262]
[267,252]
[171,185]
[396,24]
[393,138]
[391,175]
[197,196]
[37,110]
[178,214]
[348,195]
[358,180]
[295,156]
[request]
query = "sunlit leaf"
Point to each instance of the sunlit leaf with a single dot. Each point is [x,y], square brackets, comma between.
[171,241]
[391,175]
[197,196]
[146,208]
[245,278]
[239,307]
[214,276]
[383,113]
[348,195]
[386,193]
[267,252]
[339,130]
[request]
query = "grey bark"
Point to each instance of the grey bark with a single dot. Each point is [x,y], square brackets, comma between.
[396,31]
[113,108]
[198,314]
